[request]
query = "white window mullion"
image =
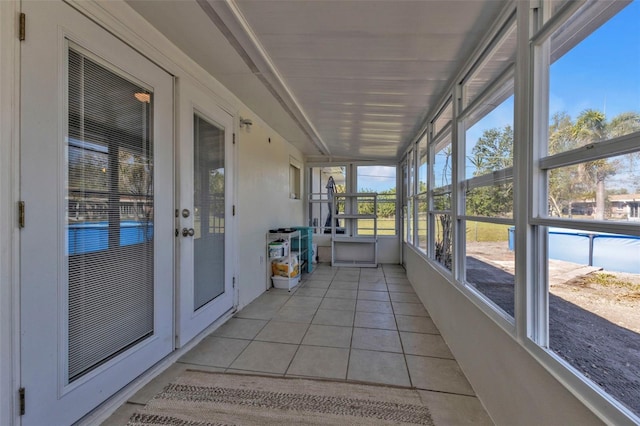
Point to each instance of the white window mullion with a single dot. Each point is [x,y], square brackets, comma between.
[458,157]
[625,228]
[496,177]
[621,145]
[431,240]
[530,110]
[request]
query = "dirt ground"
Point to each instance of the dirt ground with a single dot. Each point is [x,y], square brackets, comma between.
[594,316]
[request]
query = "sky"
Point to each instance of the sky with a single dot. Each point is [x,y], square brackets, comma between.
[377,178]
[601,72]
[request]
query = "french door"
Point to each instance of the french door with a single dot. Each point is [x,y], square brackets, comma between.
[97,257]
[204,212]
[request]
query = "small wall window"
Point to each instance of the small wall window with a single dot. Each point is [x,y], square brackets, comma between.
[294,178]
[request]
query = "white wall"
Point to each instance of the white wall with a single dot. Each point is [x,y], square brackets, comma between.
[514,388]
[388,248]
[263,200]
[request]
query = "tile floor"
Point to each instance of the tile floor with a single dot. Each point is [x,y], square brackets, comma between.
[354,324]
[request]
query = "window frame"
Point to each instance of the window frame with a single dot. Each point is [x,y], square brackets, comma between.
[499,90]
[583,18]
[351,185]
[354,187]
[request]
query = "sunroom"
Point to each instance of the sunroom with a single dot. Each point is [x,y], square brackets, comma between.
[477,160]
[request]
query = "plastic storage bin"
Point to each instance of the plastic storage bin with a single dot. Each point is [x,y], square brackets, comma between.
[284,282]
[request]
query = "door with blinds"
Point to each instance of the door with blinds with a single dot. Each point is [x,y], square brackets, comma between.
[205,216]
[97,246]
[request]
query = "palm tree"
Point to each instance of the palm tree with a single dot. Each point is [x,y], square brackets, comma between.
[563,184]
[591,126]
[624,124]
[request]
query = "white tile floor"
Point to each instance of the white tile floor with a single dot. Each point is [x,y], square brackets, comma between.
[340,323]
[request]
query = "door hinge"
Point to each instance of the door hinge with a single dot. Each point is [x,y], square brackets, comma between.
[233,210]
[234,138]
[22,31]
[22,403]
[21,214]
[234,282]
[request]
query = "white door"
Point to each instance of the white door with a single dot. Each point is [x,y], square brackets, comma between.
[97,247]
[205,216]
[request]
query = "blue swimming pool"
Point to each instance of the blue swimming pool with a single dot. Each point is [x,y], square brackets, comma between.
[612,252]
[89,237]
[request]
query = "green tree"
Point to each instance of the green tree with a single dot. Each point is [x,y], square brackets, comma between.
[216,191]
[624,124]
[387,203]
[444,240]
[492,152]
[135,178]
[564,184]
[591,126]
[585,181]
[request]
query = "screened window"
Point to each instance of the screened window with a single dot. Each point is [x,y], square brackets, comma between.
[488,198]
[490,69]
[588,218]
[443,119]
[580,136]
[440,213]
[324,182]
[353,178]
[380,180]
[421,198]
[405,200]
[411,170]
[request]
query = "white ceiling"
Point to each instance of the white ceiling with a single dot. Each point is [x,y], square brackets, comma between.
[337,78]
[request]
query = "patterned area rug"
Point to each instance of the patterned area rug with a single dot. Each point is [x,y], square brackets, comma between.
[204,398]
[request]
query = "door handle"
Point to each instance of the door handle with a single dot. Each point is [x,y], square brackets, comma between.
[188,232]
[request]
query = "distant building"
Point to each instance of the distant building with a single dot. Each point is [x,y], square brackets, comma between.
[625,206]
[620,207]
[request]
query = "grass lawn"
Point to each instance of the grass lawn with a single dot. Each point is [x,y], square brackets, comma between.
[476,231]
[386,226]
[484,232]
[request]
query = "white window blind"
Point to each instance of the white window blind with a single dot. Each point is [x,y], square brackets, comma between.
[109,224]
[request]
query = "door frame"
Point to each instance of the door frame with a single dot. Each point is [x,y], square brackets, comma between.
[9,196]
